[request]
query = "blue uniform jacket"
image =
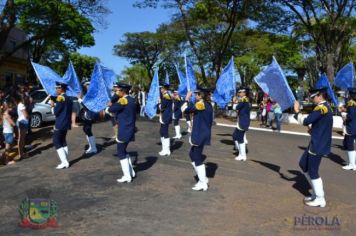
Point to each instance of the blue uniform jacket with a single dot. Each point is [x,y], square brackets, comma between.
[321,121]
[350,121]
[243,108]
[177,104]
[202,122]
[125,110]
[166,108]
[63,112]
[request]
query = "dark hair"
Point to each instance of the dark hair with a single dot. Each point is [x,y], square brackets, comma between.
[352,96]
[19,98]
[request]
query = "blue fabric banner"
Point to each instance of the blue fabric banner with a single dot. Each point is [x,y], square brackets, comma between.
[97,96]
[226,85]
[71,79]
[345,77]
[109,77]
[182,88]
[273,82]
[153,97]
[47,78]
[324,82]
[189,73]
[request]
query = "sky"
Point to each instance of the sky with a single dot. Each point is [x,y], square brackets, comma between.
[124,18]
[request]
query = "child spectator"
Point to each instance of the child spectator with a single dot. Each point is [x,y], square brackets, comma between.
[8,133]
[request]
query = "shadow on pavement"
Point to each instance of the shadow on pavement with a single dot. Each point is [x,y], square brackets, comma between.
[301,183]
[176,145]
[337,159]
[150,161]
[38,149]
[228,142]
[225,135]
[211,169]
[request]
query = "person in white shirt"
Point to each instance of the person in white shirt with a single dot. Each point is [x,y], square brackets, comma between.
[22,124]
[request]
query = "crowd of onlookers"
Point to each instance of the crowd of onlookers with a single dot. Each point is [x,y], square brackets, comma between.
[15,114]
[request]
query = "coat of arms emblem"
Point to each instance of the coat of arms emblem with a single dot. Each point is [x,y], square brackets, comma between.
[37,210]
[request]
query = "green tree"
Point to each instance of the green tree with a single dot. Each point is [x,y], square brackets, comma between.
[53,25]
[328,27]
[136,75]
[143,48]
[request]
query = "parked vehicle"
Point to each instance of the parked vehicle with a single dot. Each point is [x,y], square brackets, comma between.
[42,111]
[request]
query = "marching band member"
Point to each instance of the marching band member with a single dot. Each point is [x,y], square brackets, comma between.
[125,110]
[201,132]
[177,113]
[165,119]
[350,129]
[321,122]
[243,112]
[62,109]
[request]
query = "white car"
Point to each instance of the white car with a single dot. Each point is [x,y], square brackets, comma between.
[42,111]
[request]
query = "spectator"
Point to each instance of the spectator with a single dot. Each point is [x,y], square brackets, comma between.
[263,111]
[270,114]
[8,133]
[22,124]
[277,110]
[75,111]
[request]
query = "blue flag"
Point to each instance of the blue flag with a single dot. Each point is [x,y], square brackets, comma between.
[97,96]
[152,97]
[47,78]
[345,77]
[324,82]
[71,79]
[273,82]
[189,73]
[226,85]
[109,78]
[182,88]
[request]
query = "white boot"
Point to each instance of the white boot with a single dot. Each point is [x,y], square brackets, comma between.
[245,139]
[63,158]
[352,158]
[162,144]
[312,196]
[165,147]
[178,134]
[319,200]
[92,145]
[189,123]
[242,152]
[89,148]
[125,166]
[202,184]
[237,148]
[195,169]
[66,151]
[132,171]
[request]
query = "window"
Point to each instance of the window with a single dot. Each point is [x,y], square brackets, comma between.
[38,96]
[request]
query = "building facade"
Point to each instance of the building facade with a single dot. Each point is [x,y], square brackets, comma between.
[15,68]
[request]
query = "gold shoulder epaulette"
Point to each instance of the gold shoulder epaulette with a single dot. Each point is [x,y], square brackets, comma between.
[321,108]
[123,101]
[60,98]
[351,103]
[166,96]
[244,99]
[200,106]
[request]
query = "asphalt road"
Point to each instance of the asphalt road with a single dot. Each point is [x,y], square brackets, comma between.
[262,196]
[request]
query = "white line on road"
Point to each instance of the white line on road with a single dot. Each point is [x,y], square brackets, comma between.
[269,130]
